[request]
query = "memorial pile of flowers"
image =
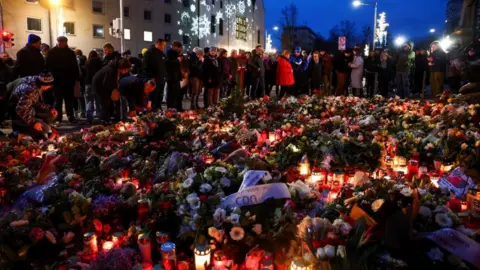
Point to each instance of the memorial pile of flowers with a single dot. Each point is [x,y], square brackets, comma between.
[315,182]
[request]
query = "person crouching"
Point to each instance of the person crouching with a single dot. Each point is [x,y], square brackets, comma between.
[134,93]
[30,116]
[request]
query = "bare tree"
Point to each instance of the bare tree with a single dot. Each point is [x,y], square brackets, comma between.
[346,29]
[288,22]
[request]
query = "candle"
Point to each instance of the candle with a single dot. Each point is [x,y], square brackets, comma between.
[399,161]
[464,206]
[338,179]
[413,167]
[202,256]
[304,166]
[90,242]
[169,257]
[422,171]
[299,264]
[51,147]
[117,238]
[107,245]
[145,248]
[317,175]
[434,179]
[220,260]
[446,167]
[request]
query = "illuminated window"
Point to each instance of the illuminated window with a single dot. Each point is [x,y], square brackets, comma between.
[241,31]
[98,31]
[147,36]
[126,33]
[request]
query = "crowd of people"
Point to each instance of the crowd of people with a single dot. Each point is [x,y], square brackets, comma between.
[113,87]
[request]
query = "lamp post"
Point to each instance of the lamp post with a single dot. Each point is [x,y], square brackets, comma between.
[122,38]
[358,3]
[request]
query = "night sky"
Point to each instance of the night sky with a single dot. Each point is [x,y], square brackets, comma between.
[409,18]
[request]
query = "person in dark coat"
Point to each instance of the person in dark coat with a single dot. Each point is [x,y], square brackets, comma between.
[300,65]
[195,75]
[63,64]
[173,74]
[371,68]
[315,72]
[154,67]
[6,76]
[386,73]
[109,54]
[437,61]
[30,116]
[92,66]
[234,67]
[80,101]
[258,73]
[135,61]
[225,67]
[421,68]
[270,74]
[30,61]
[134,91]
[342,71]
[405,62]
[104,83]
[327,69]
[248,80]
[212,74]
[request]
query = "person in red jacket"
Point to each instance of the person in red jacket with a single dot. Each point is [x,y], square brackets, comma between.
[285,74]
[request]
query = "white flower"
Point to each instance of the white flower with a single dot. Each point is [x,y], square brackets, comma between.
[435,254]
[187,183]
[219,215]
[235,219]
[337,222]
[443,220]
[221,170]
[398,186]
[205,188]
[406,191]
[193,200]
[377,204]
[257,228]
[424,211]
[225,182]
[301,188]
[358,195]
[321,253]
[237,233]
[330,251]
[360,138]
[341,251]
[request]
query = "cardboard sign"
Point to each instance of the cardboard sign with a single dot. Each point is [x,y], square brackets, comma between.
[342,43]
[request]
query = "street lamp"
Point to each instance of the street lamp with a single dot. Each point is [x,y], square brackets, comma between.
[275,28]
[399,41]
[432,30]
[358,3]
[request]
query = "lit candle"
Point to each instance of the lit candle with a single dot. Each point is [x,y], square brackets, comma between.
[169,256]
[90,242]
[317,175]
[202,256]
[220,260]
[117,238]
[446,167]
[413,167]
[108,245]
[145,248]
[209,159]
[51,147]
[464,206]
[434,179]
[399,161]
[304,166]
[272,136]
[143,208]
[299,264]
[338,179]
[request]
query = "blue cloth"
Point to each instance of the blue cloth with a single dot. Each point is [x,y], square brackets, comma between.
[32,38]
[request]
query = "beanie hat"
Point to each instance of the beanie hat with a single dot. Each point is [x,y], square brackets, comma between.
[32,38]
[45,78]
[298,49]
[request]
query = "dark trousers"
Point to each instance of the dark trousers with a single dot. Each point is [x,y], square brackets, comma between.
[258,90]
[455,83]
[418,83]
[173,93]
[205,98]
[64,93]
[383,85]
[48,98]
[156,97]
[370,77]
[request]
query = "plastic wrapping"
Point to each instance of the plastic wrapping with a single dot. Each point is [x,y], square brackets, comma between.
[35,195]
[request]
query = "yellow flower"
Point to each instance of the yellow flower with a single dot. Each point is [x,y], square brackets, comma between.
[464,146]
[377,204]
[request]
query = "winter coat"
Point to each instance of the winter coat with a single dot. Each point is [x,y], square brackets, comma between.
[196,68]
[105,81]
[284,71]
[91,68]
[439,61]
[154,64]
[30,62]
[371,64]
[25,98]
[136,65]
[341,63]
[257,66]
[224,67]
[173,71]
[386,72]
[357,72]
[233,66]
[211,72]
[315,72]
[132,88]
[327,64]
[63,64]
[405,59]
[113,57]
[421,63]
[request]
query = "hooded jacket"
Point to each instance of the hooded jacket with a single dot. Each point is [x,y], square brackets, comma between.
[405,59]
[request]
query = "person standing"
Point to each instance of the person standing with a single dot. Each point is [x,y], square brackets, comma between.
[342,71]
[105,86]
[211,76]
[234,68]
[196,66]
[92,66]
[134,61]
[405,62]
[356,77]
[371,69]
[270,72]
[30,61]
[327,69]
[63,64]
[154,67]
[258,73]
[437,63]
[386,73]
[109,54]
[300,66]
[80,100]
[248,80]
[224,63]
[44,48]
[174,76]
[421,68]
[285,78]
[315,73]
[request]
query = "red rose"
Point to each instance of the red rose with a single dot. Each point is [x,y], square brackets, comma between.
[203,198]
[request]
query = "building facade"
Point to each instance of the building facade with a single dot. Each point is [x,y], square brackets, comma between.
[228,24]
[302,36]
[453,16]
